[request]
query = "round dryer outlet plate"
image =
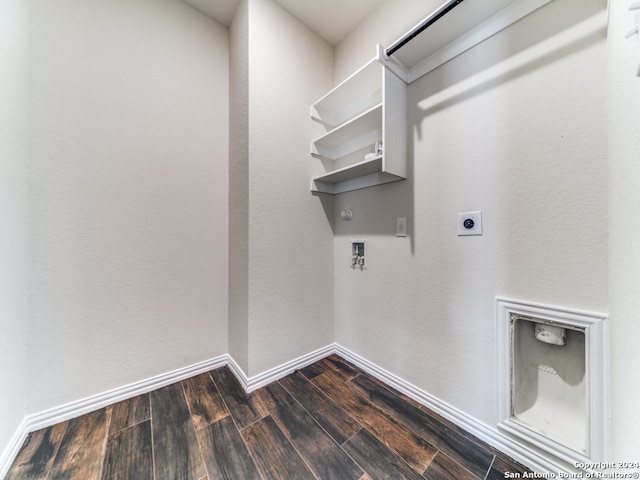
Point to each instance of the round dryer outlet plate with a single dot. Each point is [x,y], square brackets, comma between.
[469,223]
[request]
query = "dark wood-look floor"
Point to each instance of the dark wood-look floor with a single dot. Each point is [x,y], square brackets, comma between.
[327,421]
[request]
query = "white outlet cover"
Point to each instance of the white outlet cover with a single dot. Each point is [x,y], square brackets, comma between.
[475,217]
[401,226]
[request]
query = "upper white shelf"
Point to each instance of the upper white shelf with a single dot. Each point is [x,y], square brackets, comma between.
[468,24]
[358,93]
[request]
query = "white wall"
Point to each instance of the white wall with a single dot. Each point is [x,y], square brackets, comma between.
[239,186]
[128,194]
[13,209]
[290,266]
[624,228]
[514,128]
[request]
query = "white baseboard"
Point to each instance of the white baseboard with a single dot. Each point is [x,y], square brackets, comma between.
[12,449]
[70,410]
[89,404]
[529,457]
[276,373]
[523,454]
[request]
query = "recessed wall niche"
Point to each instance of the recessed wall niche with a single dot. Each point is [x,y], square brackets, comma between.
[552,377]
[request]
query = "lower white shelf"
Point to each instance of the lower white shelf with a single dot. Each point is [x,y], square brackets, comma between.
[354,177]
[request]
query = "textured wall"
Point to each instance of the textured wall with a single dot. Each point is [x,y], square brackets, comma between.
[13,211]
[624,228]
[290,268]
[514,128]
[239,186]
[128,194]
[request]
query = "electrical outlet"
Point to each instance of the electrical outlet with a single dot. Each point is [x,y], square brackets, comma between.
[401,227]
[469,223]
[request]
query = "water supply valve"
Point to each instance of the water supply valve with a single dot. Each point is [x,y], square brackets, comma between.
[357,254]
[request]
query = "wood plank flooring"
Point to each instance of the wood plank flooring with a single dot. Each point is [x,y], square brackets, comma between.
[327,421]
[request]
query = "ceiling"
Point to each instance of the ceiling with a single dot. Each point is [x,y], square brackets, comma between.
[331,19]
